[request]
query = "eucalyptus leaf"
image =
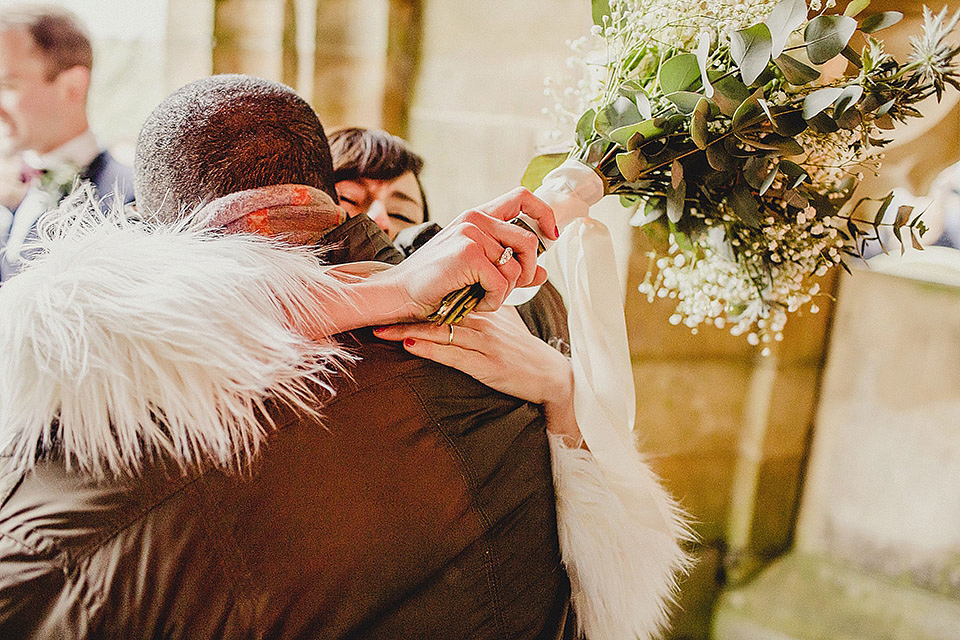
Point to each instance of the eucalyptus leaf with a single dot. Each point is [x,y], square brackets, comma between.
[719,159]
[755,170]
[785,17]
[795,71]
[783,145]
[539,167]
[748,111]
[595,151]
[794,173]
[884,122]
[885,107]
[794,199]
[585,125]
[649,129]
[600,9]
[698,124]
[855,7]
[639,97]
[650,212]
[678,72]
[631,165]
[827,35]
[766,108]
[750,49]
[882,20]
[703,51]
[730,94]
[643,105]
[675,201]
[745,206]
[771,176]
[822,123]
[850,119]
[789,122]
[620,113]
[684,101]
[820,100]
[850,95]
[676,173]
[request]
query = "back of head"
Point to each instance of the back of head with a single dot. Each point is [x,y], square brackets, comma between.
[224,134]
[59,36]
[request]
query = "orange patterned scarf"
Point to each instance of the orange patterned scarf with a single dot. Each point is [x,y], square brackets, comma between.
[295,213]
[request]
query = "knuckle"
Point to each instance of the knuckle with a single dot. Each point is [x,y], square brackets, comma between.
[473,217]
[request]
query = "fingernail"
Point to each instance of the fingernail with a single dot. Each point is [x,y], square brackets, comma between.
[379,329]
[556,232]
[409,342]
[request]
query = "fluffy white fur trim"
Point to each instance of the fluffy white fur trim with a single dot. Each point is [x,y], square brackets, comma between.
[621,537]
[122,340]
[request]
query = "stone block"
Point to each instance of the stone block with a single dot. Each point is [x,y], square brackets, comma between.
[701,483]
[698,592]
[801,597]
[883,487]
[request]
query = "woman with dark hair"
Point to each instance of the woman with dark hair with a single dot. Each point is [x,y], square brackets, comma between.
[378,174]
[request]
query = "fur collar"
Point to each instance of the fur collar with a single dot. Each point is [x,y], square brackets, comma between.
[119,326]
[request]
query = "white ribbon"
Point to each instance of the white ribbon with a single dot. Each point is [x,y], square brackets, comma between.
[620,531]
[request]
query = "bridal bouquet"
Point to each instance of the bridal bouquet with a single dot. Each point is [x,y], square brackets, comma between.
[739,131]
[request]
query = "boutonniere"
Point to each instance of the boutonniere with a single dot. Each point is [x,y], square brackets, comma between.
[57,181]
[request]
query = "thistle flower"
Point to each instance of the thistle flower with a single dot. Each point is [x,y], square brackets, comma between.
[932,55]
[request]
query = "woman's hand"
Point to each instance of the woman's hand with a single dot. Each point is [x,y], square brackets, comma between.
[468,251]
[497,349]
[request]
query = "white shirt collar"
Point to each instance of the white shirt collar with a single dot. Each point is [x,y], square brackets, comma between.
[79,152]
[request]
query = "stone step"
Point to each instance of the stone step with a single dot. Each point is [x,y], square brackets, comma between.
[802,597]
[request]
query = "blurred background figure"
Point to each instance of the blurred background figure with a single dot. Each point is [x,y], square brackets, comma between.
[378,174]
[45,63]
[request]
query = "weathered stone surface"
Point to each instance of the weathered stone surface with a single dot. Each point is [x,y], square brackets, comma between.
[805,597]
[884,480]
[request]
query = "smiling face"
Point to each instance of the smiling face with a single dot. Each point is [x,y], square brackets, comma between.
[39,109]
[393,204]
[28,97]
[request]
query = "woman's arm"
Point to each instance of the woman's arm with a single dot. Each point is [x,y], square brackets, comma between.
[464,253]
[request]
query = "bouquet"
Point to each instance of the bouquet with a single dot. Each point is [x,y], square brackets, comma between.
[739,131]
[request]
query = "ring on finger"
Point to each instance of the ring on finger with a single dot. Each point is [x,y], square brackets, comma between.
[505,256]
[450,337]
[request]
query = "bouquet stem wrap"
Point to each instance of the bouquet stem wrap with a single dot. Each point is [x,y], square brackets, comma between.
[620,531]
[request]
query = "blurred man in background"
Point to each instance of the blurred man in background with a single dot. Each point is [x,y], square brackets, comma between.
[45,64]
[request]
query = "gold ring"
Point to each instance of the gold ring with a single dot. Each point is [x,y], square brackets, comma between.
[450,337]
[505,256]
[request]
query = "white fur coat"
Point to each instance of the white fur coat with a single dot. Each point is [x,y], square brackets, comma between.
[127,339]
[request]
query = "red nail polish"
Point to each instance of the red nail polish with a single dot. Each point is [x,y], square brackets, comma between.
[409,342]
[556,231]
[378,329]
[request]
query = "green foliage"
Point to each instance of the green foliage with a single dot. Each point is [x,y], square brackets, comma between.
[720,131]
[601,10]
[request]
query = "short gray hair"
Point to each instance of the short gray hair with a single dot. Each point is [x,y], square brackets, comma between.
[223,134]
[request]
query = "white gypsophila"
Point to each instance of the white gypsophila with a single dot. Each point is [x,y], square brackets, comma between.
[752,290]
[829,158]
[595,70]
